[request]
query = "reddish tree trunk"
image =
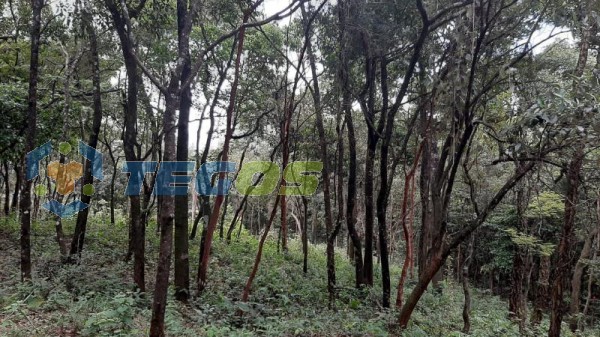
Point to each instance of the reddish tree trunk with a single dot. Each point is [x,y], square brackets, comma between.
[214,217]
[408,181]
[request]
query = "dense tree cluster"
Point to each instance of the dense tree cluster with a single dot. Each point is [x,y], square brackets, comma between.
[458,139]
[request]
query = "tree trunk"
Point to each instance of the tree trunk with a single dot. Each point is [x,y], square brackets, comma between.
[214,217]
[517,304]
[540,303]
[112,191]
[182,259]
[25,204]
[352,158]
[408,180]
[465,283]
[82,216]
[563,266]
[6,188]
[384,191]
[591,281]
[564,263]
[15,197]
[368,194]
[305,235]
[578,278]
[166,214]
[425,278]
[137,232]
[325,159]
[242,205]
[248,286]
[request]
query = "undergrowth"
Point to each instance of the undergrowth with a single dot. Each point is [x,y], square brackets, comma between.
[96,296]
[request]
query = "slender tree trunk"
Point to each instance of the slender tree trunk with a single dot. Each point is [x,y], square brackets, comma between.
[369,207]
[112,191]
[82,217]
[223,215]
[591,281]
[517,304]
[465,283]
[305,235]
[408,179]
[383,196]
[177,96]
[214,217]
[6,188]
[15,197]
[182,259]
[137,232]
[577,280]
[166,214]
[352,157]
[563,266]
[325,159]
[540,302]
[242,205]
[248,286]
[25,205]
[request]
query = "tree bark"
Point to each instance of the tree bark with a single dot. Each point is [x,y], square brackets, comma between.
[384,190]
[182,259]
[517,304]
[408,180]
[564,263]
[352,158]
[372,140]
[540,302]
[563,266]
[577,279]
[305,235]
[15,197]
[25,204]
[6,188]
[137,230]
[82,217]
[465,283]
[214,217]
[248,286]
[166,214]
[325,159]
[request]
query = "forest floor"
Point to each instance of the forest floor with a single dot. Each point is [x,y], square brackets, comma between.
[95,297]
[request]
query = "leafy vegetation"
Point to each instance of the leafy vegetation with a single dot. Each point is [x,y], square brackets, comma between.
[95,297]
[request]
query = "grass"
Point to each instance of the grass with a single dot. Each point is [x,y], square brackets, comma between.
[96,297]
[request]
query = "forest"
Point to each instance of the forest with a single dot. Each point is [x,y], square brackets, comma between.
[299,168]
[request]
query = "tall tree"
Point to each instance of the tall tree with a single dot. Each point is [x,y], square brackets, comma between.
[138,232]
[25,204]
[564,261]
[182,264]
[82,217]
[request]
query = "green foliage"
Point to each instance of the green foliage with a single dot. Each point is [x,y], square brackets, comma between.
[94,297]
[547,205]
[116,320]
[530,242]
